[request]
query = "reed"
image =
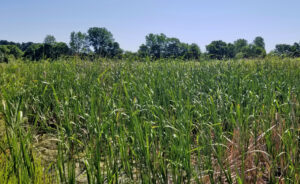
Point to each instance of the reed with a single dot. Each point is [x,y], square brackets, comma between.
[168,121]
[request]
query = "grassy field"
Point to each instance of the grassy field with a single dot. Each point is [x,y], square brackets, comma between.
[158,122]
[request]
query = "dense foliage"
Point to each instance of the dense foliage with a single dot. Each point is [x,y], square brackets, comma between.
[160,46]
[9,51]
[99,42]
[288,50]
[239,49]
[156,122]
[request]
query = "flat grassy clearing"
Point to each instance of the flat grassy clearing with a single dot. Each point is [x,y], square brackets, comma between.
[159,122]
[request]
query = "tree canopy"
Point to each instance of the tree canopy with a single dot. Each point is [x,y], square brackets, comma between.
[9,51]
[50,39]
[239,49]
[79,42]
[103,42]
[160,46]
[286,50]
[100,38]
[217,49]
[99,42]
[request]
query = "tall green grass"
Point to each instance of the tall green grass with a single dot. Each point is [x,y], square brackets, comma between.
[157,122]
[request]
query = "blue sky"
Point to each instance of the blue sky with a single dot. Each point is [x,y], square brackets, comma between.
[192,21]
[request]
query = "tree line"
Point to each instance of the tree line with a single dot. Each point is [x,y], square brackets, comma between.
[99,42]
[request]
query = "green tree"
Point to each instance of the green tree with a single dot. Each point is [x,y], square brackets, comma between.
[172,48]
[296,50]
[5,42]
[34,52]
[4,52]
[37,52]
[143,51]
[114,50]
[217,49]
[253,51]
[239,45]
[79,42]
[48,51]
[160,46]
[283,50]
[286,50]
[49,39]
[25,45]
[156,44]
[60,49]
[183,50]
[9,51]
[259,42]
[15,51]
[194,51]
[230,51]
[22,46]
[100,39]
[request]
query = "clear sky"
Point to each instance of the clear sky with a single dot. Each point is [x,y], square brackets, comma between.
[192,21]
